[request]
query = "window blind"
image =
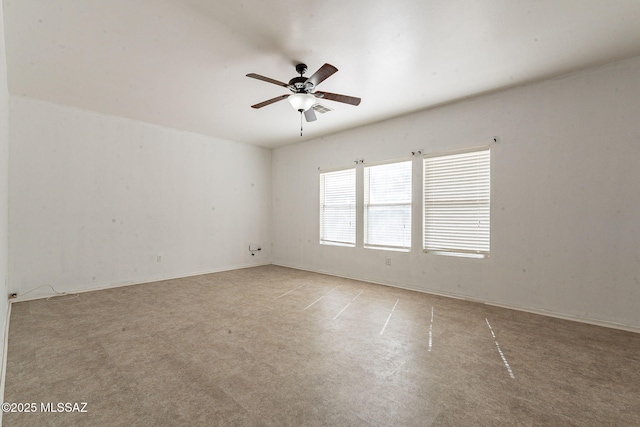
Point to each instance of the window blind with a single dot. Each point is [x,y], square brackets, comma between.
[338,207]
[387,206]
[457,204]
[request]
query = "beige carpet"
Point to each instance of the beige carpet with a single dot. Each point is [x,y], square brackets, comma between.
[283,347]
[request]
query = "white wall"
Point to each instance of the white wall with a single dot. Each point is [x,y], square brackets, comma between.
[4,188]
[95,199]
[565,197]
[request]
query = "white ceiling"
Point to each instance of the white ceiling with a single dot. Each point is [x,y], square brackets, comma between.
[182,63]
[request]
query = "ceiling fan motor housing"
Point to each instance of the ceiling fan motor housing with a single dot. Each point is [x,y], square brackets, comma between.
[299,84]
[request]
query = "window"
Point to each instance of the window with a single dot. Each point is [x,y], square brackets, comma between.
[387,206]
[457,204]
[338,207]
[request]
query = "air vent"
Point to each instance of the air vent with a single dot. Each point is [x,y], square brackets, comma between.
[321,109]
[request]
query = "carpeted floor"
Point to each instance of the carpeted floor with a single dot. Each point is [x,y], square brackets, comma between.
[276,346]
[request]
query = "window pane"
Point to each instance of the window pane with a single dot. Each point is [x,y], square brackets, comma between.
[338,207]
[389,226]
[389,183]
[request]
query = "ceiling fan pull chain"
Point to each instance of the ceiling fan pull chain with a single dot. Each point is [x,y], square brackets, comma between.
[300,122]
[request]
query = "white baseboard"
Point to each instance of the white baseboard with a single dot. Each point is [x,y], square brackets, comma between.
[50,294]
[590,321]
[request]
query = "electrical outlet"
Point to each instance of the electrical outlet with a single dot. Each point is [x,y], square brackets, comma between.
[387,261]
[159,258]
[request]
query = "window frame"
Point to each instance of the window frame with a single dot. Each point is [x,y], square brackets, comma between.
[465,247]
[352,207]
[366,185]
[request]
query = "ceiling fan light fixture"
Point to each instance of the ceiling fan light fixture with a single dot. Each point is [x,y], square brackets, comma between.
[302,101]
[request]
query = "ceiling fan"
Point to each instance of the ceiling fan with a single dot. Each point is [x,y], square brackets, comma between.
[304,95]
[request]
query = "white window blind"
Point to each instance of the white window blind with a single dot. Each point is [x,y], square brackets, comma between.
[387,206]
[338,207]
[457,204]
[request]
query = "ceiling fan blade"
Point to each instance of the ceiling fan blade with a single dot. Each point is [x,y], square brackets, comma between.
[270,101]
[337,97]
[310,115]
[267,79]
[324,72]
